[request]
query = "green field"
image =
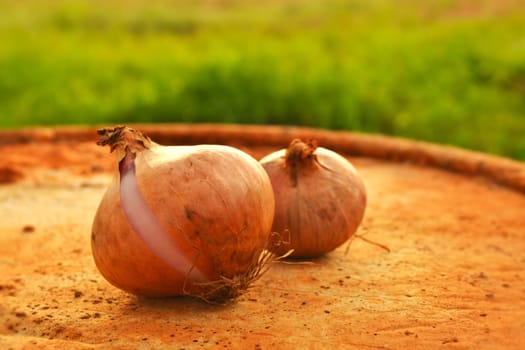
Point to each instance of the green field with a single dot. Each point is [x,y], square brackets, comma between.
[438,70]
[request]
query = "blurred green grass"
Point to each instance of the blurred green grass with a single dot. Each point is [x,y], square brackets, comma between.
[438,70]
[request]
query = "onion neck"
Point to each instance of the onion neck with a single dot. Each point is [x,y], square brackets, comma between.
[299,156]
[124,139]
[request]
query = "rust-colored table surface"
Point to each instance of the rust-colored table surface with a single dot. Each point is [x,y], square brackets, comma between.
[454,222]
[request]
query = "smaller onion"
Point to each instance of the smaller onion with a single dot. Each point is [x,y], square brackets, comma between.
[320,198]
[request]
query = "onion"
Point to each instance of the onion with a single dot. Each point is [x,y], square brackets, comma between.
[182,219]
[320,198]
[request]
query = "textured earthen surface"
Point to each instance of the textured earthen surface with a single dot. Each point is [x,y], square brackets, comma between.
[454,277]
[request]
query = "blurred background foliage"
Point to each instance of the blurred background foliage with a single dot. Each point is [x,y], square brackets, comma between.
[446,71]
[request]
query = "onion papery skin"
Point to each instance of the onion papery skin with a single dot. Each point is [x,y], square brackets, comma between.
[319,200]
[215,202]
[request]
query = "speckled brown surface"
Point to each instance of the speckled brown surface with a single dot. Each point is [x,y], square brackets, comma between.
[454,278]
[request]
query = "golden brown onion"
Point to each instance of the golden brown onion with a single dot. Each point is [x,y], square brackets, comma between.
[320,198]
[182,220]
